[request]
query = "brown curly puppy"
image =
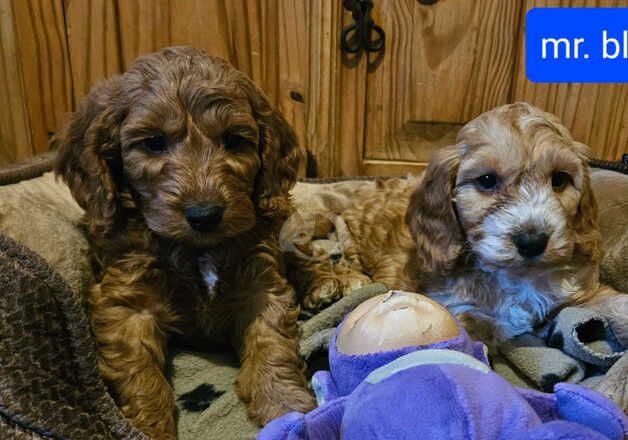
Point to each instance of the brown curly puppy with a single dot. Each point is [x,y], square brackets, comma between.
[182,158]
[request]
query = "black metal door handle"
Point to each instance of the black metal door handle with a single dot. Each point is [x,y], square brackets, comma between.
[359,35]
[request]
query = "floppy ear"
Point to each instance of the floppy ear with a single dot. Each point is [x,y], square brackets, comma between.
[280,156]
[588,238]
[88,156]
[430,215]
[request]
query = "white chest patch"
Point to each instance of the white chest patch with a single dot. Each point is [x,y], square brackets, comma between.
[515,304]
[521,306]
[209,274]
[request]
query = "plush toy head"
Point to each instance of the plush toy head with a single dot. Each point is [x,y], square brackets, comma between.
[394,320]
[382,329]
[402,367]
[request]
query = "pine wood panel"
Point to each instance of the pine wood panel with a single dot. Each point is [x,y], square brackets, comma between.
[253,32]
[144,26]
[350,115]
[105,36]
[93,32]
[15,135]
[204,24]
[245,32]
[45,66]
[596,114]
[444,64]
[327,90]
[373,167]
[293,66]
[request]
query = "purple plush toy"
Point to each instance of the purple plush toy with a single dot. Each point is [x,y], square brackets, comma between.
[381,387]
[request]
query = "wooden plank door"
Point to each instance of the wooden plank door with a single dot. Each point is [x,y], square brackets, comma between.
[447,62]
[596,114]
[35,83]
[444,64]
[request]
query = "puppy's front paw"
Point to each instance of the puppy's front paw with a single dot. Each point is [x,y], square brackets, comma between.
[262,409]
[353,281]
[328,291]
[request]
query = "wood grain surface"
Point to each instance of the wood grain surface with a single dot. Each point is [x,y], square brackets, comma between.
[45,66]
[596,114]
[35,82]
[444,64]
[93,33]
[367,114]
[15,135]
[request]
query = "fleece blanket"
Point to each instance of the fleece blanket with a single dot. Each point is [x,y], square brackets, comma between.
[41,215]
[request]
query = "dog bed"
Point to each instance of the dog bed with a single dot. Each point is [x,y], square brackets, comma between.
[49,387]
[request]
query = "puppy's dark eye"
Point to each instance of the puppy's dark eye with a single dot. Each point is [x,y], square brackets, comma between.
[154,144]
[560,179]
[487,181]
[233,141]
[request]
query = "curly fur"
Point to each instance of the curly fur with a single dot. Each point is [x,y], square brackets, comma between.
[458,244]
[151,286]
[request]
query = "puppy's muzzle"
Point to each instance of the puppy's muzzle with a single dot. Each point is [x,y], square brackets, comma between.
[530,244]
[203,217]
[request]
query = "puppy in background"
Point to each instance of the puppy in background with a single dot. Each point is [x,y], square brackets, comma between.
[501,229]
[180,162]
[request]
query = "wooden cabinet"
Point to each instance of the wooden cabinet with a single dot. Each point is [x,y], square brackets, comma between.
[597,114]
[448,62]
[385,113]
[444,64]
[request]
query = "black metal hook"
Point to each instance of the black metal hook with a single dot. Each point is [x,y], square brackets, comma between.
[357,36]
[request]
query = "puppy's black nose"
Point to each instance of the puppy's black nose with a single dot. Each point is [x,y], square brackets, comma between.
[530,244]
[203,217]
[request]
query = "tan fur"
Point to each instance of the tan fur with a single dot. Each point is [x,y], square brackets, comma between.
[370,212]
[151,287]
[457,246]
